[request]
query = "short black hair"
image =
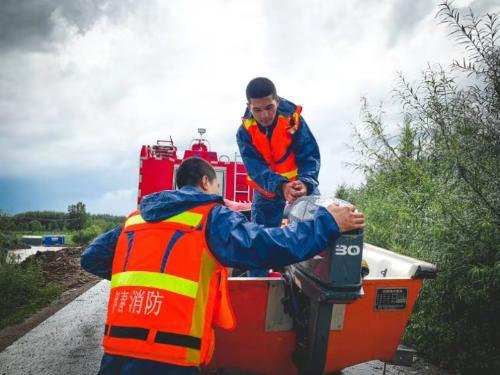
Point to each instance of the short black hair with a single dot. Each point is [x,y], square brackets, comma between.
[260,87]
[192,170]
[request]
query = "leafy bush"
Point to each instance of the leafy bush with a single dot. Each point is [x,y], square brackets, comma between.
[11,241]
[75,219]
[433,192]
[83,237]
[35,226]
[23,291]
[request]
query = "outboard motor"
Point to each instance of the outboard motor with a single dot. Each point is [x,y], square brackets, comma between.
[314,286]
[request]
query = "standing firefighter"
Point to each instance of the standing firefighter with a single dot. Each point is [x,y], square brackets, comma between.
[279,152]
[167,266]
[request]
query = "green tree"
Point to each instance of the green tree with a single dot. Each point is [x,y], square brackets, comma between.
[77,216]
[83,237]
[35,226]
[432,191]
[6,222]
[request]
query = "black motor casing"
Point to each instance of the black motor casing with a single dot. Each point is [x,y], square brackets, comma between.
[338,267]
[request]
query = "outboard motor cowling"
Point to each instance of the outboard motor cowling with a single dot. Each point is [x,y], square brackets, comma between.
[314,286]
[338,267]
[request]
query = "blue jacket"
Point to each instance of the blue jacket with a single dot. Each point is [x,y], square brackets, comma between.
[304,146]
[233,240]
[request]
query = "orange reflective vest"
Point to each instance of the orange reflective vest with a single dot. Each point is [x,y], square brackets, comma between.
[277,151]
[167,290]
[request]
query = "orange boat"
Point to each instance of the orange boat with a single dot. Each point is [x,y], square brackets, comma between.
[318,316]
[352,332]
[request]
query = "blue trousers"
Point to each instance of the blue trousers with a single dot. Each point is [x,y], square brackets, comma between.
[269,213]
[119,365]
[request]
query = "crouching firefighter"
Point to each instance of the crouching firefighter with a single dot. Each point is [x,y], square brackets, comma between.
[167,269]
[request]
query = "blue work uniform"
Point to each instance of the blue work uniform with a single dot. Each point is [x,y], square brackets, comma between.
[233,240]
[269,211]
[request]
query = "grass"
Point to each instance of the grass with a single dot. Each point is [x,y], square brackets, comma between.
[44,296]
[68,236]
[23,291]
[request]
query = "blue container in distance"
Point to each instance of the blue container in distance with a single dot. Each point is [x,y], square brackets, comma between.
[53,240]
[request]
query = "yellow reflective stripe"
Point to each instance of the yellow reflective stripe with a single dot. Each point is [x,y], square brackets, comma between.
[248,122]
[136,219]
[296,121]
[193,356]
[188,218]
[171,283]
[290,174]
[207,269]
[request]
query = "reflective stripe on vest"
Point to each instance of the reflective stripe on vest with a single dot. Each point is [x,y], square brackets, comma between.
[290,174]
[156,280]
[191,219]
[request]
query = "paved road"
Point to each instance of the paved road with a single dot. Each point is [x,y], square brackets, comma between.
[69,342]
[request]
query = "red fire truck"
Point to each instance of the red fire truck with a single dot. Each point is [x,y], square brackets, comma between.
[159,163]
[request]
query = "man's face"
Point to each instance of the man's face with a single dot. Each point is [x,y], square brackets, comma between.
[264,109]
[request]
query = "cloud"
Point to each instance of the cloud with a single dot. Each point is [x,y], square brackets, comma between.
[102,193]
[83,84]
[34,25]
[405,17]
[112,202]
[479,6]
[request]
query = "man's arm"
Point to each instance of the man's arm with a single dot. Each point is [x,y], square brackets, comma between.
[307,156]
[98,257]
[235,242]
[256,166]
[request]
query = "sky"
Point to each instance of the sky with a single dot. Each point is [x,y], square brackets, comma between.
[85,83]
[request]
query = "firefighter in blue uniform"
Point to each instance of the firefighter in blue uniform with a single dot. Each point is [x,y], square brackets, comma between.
[279,152]
[231,239]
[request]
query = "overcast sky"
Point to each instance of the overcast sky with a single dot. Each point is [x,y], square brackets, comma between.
[83,84]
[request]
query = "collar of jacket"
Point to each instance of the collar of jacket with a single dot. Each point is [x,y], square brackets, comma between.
[167,203]
[268,130]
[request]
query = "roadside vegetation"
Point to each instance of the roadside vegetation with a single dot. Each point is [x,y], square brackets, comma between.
[77,225]
[432,191]
[23,286]
[23,291]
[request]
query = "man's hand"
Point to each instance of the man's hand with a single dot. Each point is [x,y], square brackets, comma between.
[293,190]
[347,217]
[300,189]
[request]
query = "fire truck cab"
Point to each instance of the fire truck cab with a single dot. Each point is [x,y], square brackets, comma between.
[159,163]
